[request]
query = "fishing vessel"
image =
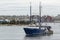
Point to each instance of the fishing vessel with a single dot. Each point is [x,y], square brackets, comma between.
[41,29]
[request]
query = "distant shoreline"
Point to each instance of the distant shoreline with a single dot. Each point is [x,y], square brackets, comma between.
[11,25]
[24,24]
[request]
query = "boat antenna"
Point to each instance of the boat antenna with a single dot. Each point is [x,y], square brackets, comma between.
[40,14]
[30,13]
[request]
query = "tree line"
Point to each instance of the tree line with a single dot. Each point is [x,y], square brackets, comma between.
[15,22]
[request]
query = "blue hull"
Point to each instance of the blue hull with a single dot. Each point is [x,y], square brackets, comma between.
[33,31]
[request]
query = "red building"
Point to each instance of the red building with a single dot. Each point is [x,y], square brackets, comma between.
[49,19]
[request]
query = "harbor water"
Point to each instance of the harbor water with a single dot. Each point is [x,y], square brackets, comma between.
[17,33]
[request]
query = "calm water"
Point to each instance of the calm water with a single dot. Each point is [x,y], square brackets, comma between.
[17,33]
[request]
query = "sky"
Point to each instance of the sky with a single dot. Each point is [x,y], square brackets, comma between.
[21,7]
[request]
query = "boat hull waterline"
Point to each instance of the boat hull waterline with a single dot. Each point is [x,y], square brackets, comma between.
[34,31]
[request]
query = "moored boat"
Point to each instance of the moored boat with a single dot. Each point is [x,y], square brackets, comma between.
[40,30]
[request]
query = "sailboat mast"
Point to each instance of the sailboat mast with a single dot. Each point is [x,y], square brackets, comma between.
[40,14]
[30,13]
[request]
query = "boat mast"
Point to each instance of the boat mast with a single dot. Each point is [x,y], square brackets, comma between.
[30,13]
[40,14]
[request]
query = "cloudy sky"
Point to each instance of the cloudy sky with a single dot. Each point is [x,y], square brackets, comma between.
[21,7]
